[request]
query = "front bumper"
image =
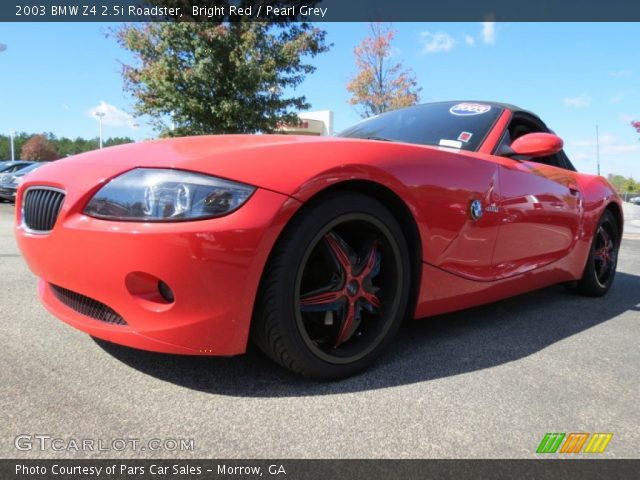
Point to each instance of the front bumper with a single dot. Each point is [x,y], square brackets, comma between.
[212,266]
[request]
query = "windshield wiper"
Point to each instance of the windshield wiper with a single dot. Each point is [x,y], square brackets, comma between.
[381,139]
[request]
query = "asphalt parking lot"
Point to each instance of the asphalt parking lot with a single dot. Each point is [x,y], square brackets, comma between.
[486,382]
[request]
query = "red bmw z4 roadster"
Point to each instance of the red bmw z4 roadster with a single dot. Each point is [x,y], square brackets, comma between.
[317,248]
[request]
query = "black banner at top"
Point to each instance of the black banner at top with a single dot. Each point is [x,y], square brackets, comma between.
[319,10]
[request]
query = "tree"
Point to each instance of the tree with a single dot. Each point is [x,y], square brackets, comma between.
[381,83]
[19,139]
[113,141]
[64,146]
[623,184]
[631,186]
[218,77]
[38,148]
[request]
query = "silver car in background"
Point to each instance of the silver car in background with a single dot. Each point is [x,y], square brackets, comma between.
[9,181]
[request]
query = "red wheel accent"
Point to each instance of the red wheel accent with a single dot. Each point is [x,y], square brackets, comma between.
[348,324]
[339,250]
[372,299]
[354,291]
[603,255]
[370,262]
[321,299]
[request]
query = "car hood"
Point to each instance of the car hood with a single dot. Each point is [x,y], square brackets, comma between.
[281,163]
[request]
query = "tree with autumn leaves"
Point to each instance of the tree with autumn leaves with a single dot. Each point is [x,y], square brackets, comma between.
[38,148]
[381,83]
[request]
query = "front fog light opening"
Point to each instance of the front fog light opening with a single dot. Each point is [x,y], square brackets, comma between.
[165,292]
[149,291]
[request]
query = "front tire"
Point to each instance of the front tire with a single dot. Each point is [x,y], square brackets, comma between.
[335,289]
[603,258]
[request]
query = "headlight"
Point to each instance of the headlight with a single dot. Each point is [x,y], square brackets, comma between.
[155,195]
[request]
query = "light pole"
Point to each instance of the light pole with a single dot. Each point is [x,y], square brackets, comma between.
[3,47]
[100,115]
[13,153]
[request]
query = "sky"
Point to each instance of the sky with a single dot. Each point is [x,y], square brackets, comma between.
[573,75]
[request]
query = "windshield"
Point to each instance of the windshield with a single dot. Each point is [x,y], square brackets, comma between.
[29,168]
[12,167]
[461,125]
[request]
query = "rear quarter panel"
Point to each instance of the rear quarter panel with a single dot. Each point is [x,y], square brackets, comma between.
[598,194]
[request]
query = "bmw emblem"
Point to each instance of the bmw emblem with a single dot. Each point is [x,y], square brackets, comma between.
[475,209]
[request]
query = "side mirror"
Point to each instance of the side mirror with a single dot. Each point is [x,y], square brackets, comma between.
[537,145]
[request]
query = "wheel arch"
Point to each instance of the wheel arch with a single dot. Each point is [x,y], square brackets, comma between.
[615,209]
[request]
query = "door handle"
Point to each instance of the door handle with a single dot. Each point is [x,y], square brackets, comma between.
[574,190]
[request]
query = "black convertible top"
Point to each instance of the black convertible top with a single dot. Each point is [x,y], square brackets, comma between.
[507,106]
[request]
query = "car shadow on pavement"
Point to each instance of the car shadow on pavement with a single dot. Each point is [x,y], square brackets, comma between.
[437,347]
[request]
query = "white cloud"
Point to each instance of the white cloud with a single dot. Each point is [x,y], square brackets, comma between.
[604,139]
[617,98]
[580,157]
[436,42]
[580,101]
[113,116]
[620,149]
[489,32]
[583,143]
[620,73]
[609,145]
[395,52]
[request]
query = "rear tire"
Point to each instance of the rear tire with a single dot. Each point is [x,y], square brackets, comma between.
[335,289]
[600,270]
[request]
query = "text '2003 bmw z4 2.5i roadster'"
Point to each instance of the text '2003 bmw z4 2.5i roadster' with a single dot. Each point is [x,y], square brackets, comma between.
[317,248]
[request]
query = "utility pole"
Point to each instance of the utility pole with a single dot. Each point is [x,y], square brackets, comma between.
[13,153]
[100,115]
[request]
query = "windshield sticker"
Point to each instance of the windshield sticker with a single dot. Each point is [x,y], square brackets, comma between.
[466,109]
[450,143]
[465,137]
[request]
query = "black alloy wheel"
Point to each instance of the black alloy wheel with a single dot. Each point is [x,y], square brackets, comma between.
[603,258]
[336,287]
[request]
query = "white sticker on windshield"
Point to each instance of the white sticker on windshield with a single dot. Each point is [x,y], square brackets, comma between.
[466,109]
[450,143]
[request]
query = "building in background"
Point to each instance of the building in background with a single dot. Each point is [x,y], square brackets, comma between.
[311,123]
